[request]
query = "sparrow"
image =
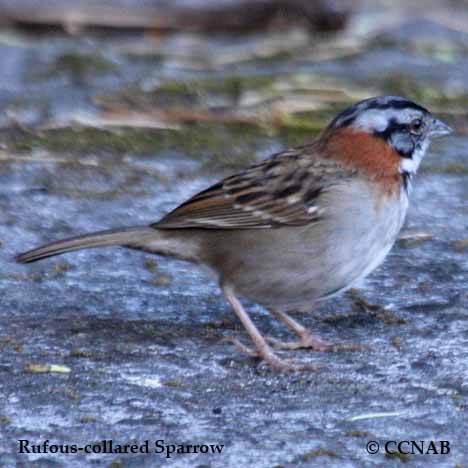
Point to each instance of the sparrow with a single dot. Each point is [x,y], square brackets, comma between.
[299,227]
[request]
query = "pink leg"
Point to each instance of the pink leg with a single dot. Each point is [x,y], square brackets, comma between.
[262,348]
[306,339]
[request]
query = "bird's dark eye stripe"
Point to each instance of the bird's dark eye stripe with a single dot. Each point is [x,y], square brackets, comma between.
[392,126]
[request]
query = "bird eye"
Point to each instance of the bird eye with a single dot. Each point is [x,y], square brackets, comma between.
[416,126]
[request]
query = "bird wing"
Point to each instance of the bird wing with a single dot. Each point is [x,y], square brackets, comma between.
[283,190]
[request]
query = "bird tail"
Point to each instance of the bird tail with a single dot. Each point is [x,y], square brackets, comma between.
[130,237]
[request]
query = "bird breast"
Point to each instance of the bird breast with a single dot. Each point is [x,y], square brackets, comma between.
[291,267]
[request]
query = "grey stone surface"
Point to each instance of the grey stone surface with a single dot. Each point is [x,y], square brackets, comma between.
[146,344]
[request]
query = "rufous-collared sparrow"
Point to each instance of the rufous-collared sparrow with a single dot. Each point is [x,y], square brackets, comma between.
[300,226]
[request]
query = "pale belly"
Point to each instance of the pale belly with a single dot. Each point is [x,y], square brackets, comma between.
[292,267]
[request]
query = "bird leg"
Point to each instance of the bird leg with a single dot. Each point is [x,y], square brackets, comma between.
[306,339]
[262,348]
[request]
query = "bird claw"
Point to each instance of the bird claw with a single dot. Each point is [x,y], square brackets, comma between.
[241,347]
[308,341]
[269,358]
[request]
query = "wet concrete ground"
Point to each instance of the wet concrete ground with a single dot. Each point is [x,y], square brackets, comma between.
[145,338]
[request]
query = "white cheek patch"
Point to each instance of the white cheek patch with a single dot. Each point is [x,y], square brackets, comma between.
[411,165]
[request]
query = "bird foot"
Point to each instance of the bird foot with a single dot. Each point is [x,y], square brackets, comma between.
[268,357]
[242,348]
[309,341]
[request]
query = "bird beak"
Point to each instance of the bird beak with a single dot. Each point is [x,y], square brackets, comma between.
[439,128]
